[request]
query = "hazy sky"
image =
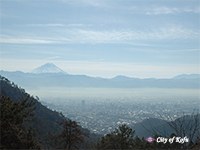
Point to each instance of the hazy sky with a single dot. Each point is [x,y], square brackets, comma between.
[104,38]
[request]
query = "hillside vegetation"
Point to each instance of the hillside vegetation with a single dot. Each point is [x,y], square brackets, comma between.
[44,123]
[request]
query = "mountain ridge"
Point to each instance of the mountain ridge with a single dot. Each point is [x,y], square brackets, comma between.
[187,76]
[48,68]
[45,123]
[67,80]
[121,77]
[49,75]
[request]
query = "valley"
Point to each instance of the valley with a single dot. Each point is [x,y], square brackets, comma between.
[102,115]
[102,104]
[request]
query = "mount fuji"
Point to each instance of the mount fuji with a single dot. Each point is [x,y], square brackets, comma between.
[49,75]
[48,68]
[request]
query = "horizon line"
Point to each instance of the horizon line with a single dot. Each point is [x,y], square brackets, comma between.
[102,77]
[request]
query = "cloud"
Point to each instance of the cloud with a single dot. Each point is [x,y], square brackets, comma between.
[149,50]
[51,58]
[164,10]
[195,10]
[94,3]
[78,25]
[46,25]
[56,25]
[171,10]
[25,41]
[75,35]
[183,50]
[127,36]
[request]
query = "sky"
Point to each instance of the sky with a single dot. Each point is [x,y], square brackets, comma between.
[102,38]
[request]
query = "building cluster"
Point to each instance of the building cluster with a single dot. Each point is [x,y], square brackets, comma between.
[104,115]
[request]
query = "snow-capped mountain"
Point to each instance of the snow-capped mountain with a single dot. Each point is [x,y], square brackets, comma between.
[48,68]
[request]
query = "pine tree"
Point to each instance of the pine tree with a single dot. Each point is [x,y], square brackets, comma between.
[13,115]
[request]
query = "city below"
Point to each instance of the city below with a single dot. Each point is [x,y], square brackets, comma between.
[103,115]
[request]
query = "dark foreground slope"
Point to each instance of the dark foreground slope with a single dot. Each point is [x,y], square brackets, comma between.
[45,121]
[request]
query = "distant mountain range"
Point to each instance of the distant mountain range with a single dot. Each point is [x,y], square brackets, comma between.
[185,76]
[50,75]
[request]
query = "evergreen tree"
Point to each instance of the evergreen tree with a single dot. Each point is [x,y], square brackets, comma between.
[13,115]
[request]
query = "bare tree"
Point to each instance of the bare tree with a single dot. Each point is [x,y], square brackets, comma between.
[71,135]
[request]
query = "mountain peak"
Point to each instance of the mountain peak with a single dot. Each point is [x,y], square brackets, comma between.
[48,68]
[186,76]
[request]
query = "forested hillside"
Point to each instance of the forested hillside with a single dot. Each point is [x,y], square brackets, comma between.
[45,121]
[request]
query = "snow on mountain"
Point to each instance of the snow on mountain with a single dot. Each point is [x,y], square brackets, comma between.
[48,68]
